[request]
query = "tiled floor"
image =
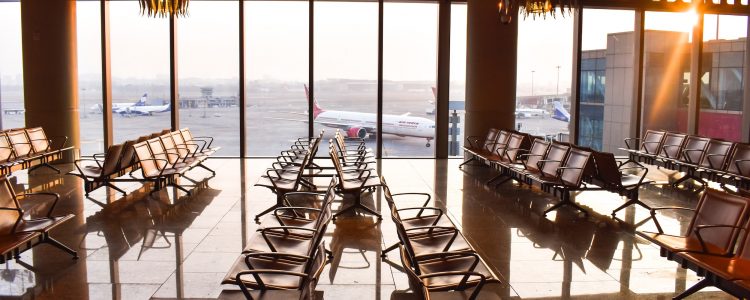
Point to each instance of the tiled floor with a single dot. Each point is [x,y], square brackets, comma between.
[142,246]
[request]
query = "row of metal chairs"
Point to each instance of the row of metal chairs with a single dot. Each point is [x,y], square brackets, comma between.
[716,244]
[352,159]
[161,157]
[284,258]
[560,168]
[701,158]
[29,148]
[20,228]
[439,261]
[287,173]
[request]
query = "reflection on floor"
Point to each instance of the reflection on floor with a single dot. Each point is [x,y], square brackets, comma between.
[167,247]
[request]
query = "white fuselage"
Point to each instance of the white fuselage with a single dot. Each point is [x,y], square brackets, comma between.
[401,125]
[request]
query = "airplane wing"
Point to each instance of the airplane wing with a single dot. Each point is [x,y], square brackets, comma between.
[328,124]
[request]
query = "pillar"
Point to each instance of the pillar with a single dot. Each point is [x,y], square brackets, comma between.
[490,69]
[50,67]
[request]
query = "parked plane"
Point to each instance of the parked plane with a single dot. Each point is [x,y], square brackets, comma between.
[521,113]
[560,113]
[117,107]
[363,125]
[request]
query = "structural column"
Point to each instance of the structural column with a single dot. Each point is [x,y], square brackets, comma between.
[490,69]
[50,67]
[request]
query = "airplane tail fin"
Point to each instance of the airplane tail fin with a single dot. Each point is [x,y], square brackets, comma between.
[434,92]
[143,100]
[316,108]
[560,112]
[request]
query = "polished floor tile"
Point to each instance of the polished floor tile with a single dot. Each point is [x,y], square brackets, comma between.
[170,246]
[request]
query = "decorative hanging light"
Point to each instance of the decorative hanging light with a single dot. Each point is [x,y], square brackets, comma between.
[164,8]
[534,8]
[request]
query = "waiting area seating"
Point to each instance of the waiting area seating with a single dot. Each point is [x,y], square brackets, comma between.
[558,168]
[161,157]
[701,159]
[716,244]
[29,148]
[439,261]
[20,231]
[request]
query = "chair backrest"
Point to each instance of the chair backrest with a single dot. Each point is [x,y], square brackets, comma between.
[112,159]
[158,152]
[538,150]
[20,141]
[6,150]
[501,140]
[739,163]
[607,170]
[186,135]
[717,154]
[490,138]
[127,158]
[576,162]
[744,250]
[652,140]
[515,144]
[554,159]
[145,158]
[671,147]
[10,212]
[38,139]
[694,149]
[719,208]
[165,131]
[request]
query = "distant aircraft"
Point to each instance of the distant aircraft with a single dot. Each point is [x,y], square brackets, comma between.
[117,107]
[521,113]
[560,112]
[363,125]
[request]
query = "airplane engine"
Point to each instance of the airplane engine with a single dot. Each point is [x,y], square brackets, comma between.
[356,132]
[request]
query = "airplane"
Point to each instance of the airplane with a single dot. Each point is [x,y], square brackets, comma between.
[560,113]
[145,110]
[523,113]
[363,125]
[117,107]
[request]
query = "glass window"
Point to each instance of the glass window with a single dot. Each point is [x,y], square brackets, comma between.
[722,76]
[140,71]
[545,48]
[346,68]
[277,59]
[88,18]
[606,79]
[11,66]
[409,74]
[208,57]
[457,79]
[666,71]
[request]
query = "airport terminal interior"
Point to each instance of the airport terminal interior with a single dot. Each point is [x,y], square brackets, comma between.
[373,149]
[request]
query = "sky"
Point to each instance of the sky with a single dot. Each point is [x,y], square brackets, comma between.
[345,41]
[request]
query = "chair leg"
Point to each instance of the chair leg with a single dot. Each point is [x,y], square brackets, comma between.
[629,203]
[385,251]
[358,204]
[179,187]
[693,289]
[501,175]
[49,240]
[473,158]
[207,168]
[44,164]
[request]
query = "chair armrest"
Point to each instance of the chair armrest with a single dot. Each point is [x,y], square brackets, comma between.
[737,164]
[429,197]
[462,284]
[655,209]
[710,162]
[628,144]
[685,154]
[256,275]
[422,209]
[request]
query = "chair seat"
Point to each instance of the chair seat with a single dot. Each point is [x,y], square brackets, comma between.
[435,243]
[271,221]
[675,244]
[425,221]
[451,264]
[285,243]
[9,242]
[729,268]
[745,283]
[355,184]
[272,281]
[629,180]
[280,183]
[42,224]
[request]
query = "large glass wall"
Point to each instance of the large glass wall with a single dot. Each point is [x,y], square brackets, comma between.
[457,79]
[666,70]
[606,78]
[140,71]
[545,54]
[721,99]
[409,74]
[277,72]
[11,66]
[346,68]
[208,60]
[88,18]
